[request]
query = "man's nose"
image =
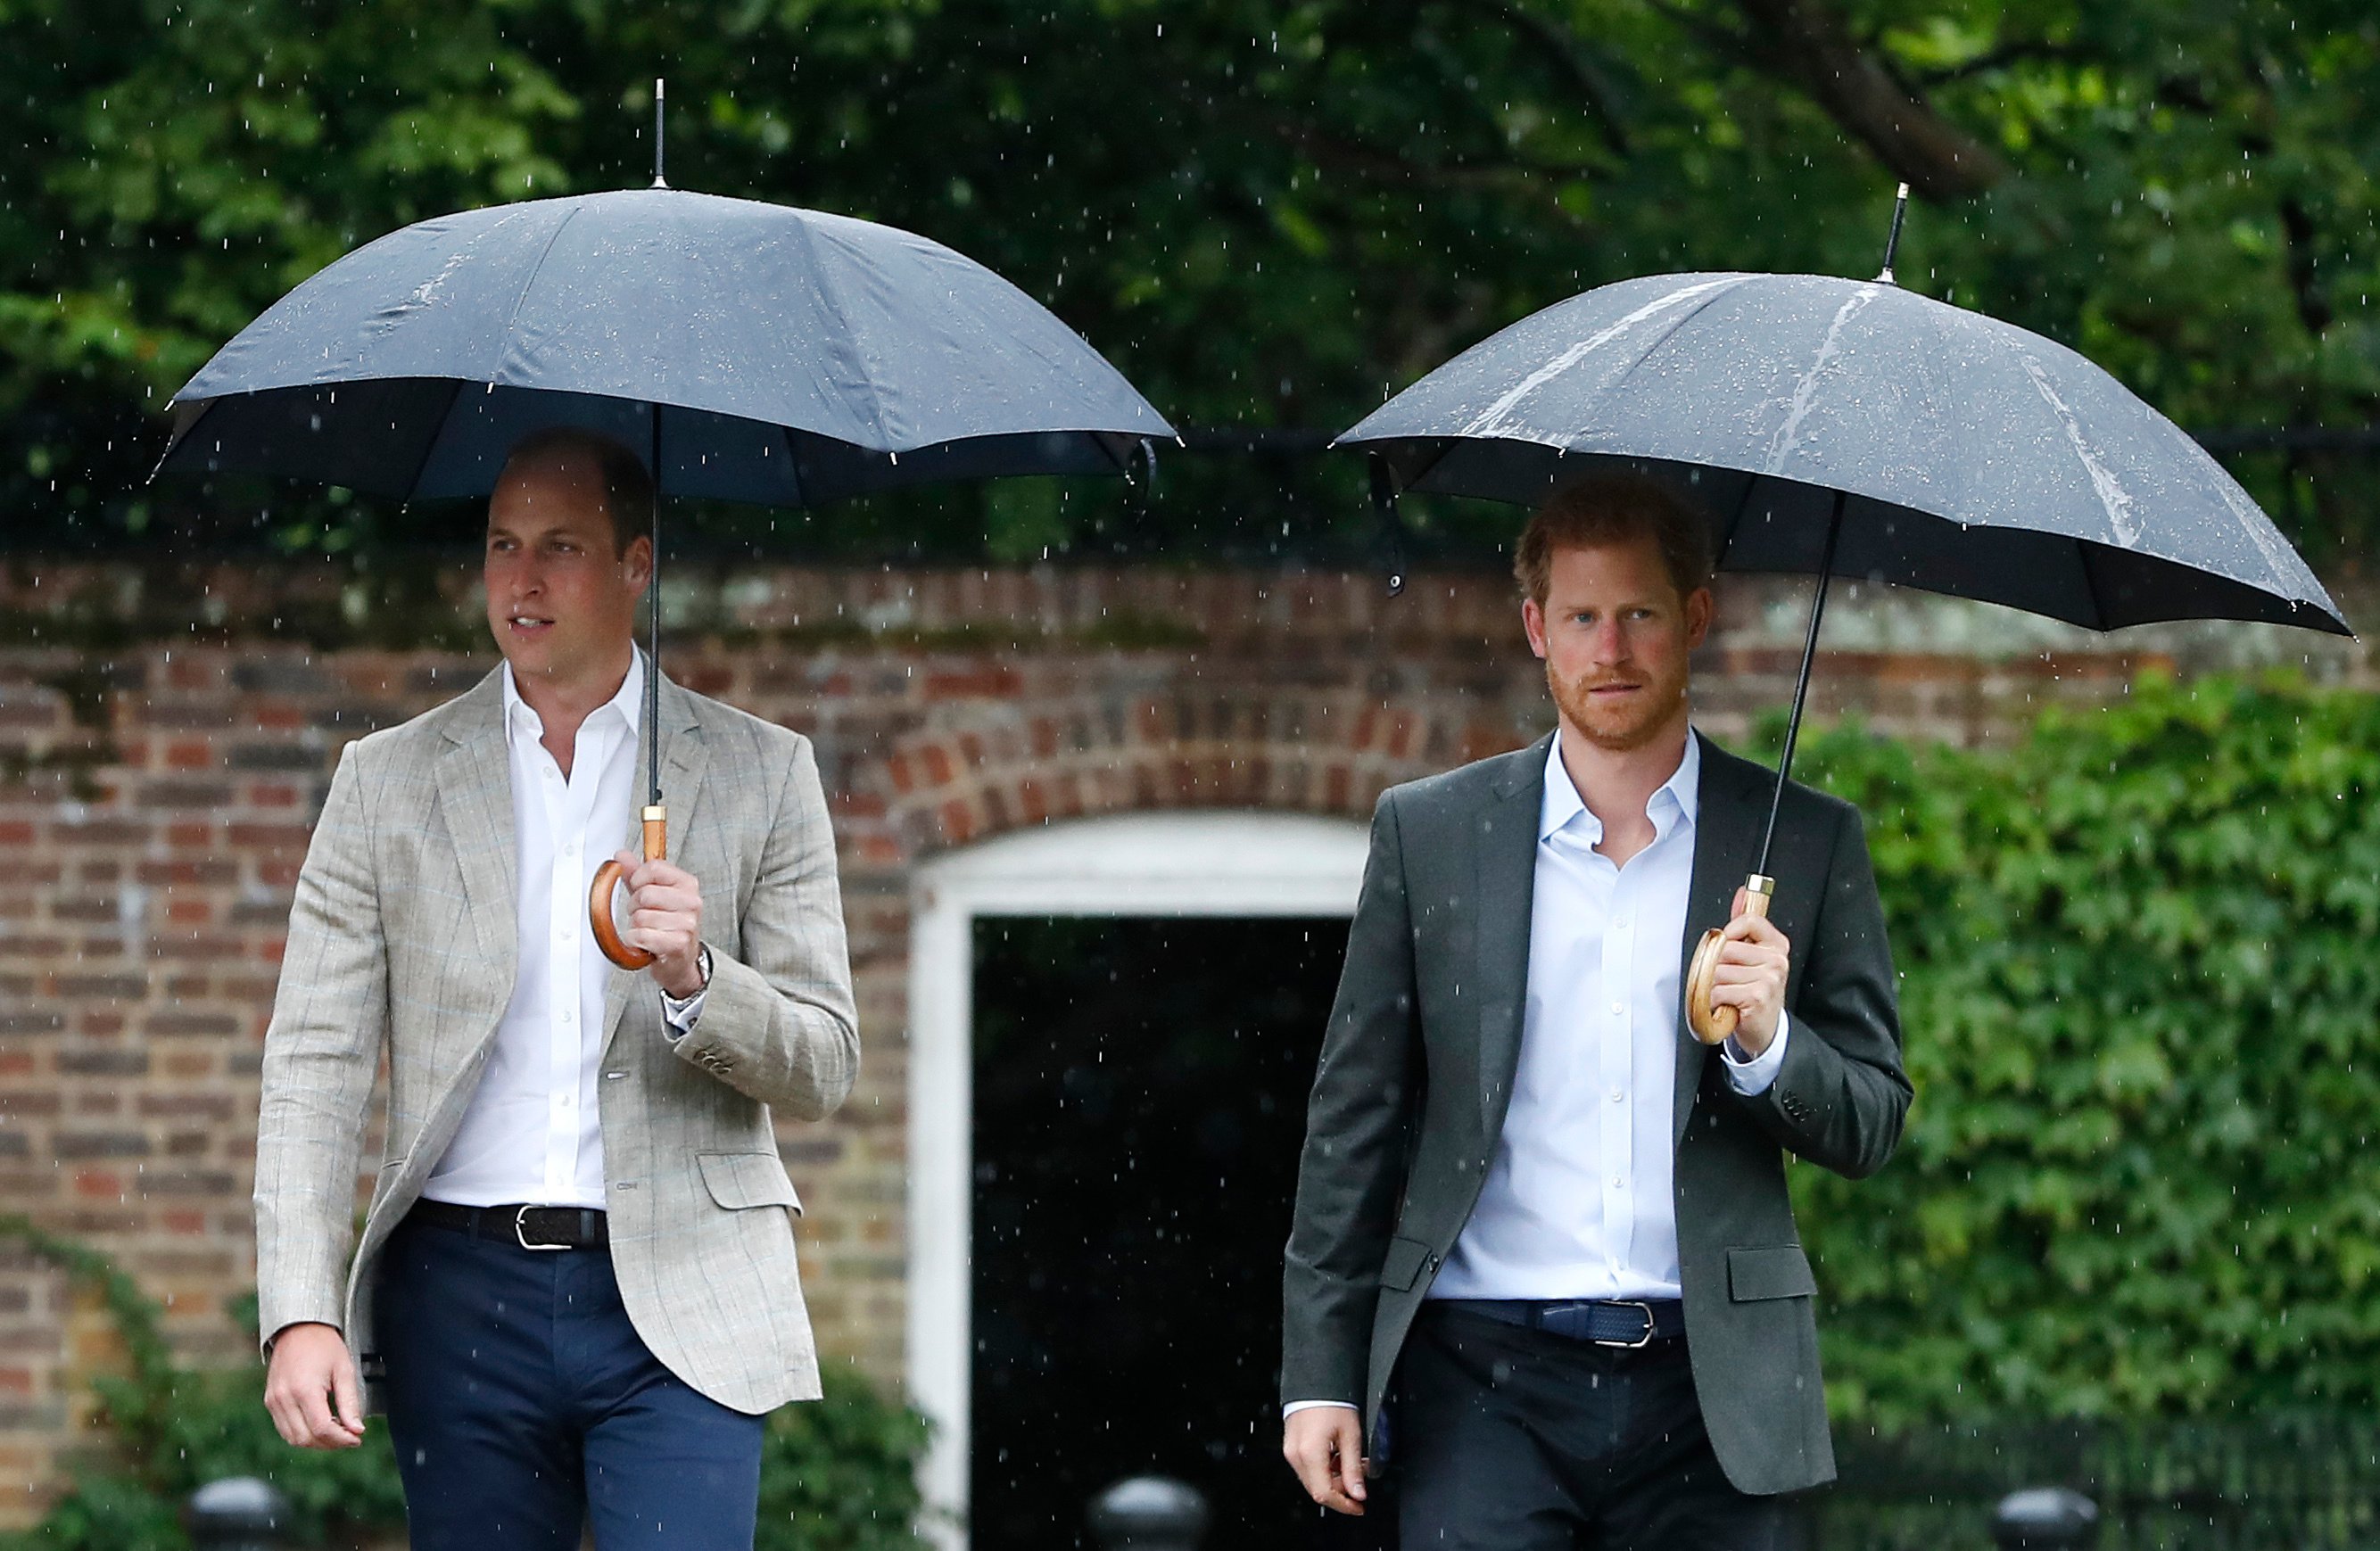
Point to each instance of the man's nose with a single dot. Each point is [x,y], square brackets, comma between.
[1608,643]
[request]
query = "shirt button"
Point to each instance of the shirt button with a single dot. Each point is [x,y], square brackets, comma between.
[1617,1183]
[1617,1096]
[1617,1009]
[567,1015]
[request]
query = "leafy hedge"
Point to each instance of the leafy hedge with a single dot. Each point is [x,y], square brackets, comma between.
[2140,984]
[839,1475]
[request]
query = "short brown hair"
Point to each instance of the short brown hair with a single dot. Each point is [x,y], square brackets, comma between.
[628,488]
[1608,508]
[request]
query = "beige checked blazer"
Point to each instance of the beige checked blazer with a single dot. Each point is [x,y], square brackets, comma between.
[403,943]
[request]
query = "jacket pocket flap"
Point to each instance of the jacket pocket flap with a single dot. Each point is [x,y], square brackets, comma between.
[1401,1266]
[1783,1272]
[741,1179]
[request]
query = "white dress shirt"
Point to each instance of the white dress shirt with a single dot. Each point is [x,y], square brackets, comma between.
[1578,1202]
[532,1132]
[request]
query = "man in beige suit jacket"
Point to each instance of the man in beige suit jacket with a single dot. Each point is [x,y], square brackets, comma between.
[575,1293]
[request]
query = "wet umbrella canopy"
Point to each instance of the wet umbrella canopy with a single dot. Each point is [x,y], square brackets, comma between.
[1850,427]
[748,352]
[1975,458]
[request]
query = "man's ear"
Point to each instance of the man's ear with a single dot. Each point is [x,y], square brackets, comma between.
[637,562]
[1533,620]
[1701,607]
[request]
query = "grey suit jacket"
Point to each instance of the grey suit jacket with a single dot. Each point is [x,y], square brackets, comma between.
[1417,1068]
[403,943]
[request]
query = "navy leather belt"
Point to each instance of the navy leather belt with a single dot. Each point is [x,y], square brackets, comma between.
[1627,1323]
[531,1228]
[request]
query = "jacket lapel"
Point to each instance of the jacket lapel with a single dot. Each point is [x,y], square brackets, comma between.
[475,795]
[684,759]
[1727,835]
[1505,895]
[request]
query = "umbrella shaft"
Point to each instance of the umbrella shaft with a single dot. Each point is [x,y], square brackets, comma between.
[653,637]
[1801,683]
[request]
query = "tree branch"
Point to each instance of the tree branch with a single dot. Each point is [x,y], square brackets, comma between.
[1593,86]
[1525,180]
[1810,46]
[1388,166]
[2305,280]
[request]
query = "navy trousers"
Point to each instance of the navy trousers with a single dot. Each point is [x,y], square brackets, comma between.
[1513,1439]
[522,1404]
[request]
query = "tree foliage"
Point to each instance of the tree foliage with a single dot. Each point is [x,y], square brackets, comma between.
[1268,216]
[2138,1179]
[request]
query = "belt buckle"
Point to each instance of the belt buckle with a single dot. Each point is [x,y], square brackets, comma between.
[1643,1340]
[521,1236]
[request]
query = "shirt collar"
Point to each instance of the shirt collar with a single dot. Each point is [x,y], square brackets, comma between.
[629,702]
[1678,800]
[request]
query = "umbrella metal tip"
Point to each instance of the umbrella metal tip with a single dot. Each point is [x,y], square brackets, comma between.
[661,101]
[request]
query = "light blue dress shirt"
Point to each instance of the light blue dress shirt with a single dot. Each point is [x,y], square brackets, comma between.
[1578,1202]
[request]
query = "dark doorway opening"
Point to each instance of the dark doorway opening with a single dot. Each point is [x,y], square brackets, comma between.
[1139,1100]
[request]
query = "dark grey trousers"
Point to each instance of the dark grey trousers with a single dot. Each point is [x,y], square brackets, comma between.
[1512,1439]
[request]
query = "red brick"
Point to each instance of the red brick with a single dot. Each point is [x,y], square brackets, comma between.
[186,874]
[266,837]
[989,682]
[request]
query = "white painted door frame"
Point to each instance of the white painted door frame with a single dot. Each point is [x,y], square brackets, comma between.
[1210,862]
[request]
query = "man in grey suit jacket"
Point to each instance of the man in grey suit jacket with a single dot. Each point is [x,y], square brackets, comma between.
[576,1289]
[1543,1254]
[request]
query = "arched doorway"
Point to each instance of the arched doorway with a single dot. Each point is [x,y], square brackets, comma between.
[1193,863]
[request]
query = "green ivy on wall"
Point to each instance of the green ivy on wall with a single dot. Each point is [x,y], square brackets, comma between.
[2142,1007]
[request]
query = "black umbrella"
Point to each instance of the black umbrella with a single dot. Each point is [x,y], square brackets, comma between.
[1854,429]
[749,352]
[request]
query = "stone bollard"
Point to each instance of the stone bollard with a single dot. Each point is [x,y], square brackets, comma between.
[1149,1513]
[238,1514]
[2045,1519]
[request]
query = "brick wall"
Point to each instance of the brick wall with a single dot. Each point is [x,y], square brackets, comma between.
[166,735]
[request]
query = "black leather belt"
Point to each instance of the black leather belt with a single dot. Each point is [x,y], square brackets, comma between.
[1627,1323]
[529,1228]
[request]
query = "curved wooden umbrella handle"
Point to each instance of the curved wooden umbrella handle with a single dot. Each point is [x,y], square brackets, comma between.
[607,877]
[1713,1024]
